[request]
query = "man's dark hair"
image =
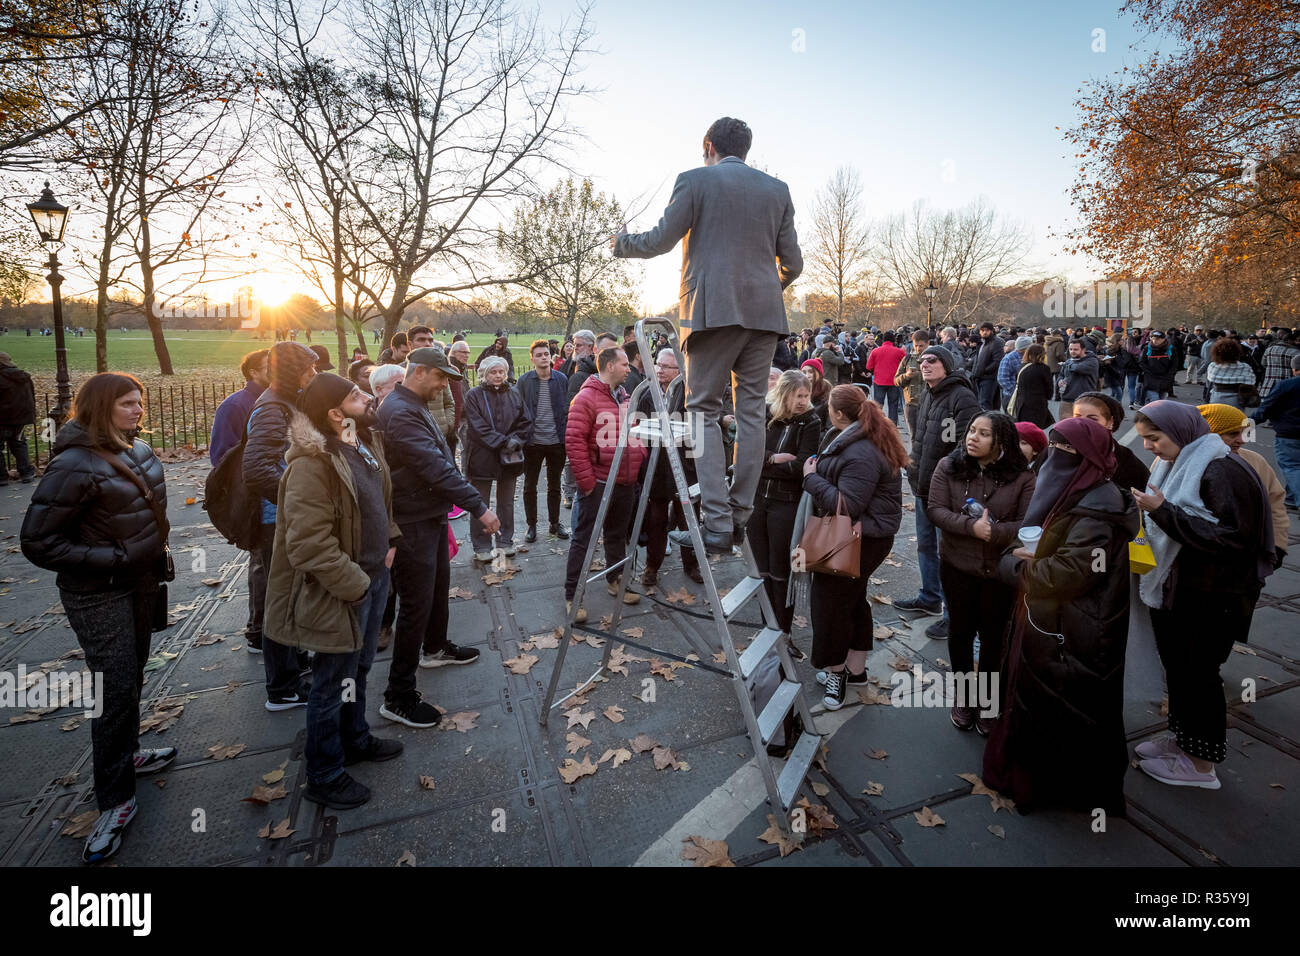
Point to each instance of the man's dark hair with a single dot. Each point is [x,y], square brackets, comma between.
[920,335]
[458,337]
[730,137]
[252,359]
[418,330]
[607,357]
[887,337]
[1225,352]
[987,325]
[606,336]
[399,340]
[1078,340]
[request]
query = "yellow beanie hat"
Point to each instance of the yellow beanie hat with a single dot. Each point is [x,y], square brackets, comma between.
[1223,418]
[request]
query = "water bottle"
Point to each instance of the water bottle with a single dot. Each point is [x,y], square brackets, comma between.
[972,508]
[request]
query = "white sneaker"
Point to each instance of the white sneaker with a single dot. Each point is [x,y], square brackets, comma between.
[153,760]
[1179,771]
[106,838]
[1161,746]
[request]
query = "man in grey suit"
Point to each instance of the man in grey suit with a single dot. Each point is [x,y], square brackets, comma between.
[739,251]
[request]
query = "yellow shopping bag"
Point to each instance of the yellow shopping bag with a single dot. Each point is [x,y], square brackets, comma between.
[1141,558]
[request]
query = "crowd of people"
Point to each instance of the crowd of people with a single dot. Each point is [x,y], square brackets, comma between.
[1025,505]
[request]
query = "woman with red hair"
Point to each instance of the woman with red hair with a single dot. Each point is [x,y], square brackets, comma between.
[858,472]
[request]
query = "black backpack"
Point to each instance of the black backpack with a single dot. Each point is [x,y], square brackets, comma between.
[235,511]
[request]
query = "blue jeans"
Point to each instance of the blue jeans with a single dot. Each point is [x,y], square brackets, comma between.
[891,393]
[1287,451]
[927,556]
[335,726]
[1117,392]
[988,398]
[1132,387]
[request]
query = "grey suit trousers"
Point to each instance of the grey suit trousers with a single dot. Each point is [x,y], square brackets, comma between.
[712,355]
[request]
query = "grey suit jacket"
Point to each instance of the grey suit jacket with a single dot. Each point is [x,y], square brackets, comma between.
[739,248]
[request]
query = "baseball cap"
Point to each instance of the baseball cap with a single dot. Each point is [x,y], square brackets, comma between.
[323,363]
[431,357]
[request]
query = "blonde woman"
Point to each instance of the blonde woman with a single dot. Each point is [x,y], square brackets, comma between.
[793,433]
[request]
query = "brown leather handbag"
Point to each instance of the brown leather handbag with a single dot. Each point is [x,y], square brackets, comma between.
[831,544]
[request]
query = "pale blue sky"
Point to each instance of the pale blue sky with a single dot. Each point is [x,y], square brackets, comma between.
[892,89]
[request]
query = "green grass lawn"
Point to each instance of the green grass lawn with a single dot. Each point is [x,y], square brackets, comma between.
[132,351]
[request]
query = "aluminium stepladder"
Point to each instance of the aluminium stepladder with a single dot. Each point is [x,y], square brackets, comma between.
[664,435]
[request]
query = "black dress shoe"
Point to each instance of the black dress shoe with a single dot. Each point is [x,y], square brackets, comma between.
[560,531]
[531,536]
[714,543]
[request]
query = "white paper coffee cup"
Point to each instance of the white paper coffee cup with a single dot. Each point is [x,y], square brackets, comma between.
[1030,536]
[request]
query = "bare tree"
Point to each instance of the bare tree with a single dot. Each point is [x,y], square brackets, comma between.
[966,252]
[839,256]
[564,236]
[470,98]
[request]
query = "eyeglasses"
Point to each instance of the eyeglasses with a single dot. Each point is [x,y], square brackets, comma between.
[929,360]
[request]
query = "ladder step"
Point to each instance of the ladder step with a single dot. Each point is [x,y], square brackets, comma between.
[738,595]
[757,650]
[796,769]
[770,719]
[649,428]
[693,492]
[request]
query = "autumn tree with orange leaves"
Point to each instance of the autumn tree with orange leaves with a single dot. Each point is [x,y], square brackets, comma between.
[1190,161]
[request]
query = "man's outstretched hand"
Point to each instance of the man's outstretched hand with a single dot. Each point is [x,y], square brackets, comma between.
[613,240]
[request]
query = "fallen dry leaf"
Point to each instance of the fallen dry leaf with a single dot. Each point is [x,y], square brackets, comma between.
[226,751]
[576,716]
[204,640]
[704,852]
[547,642]
[879,581]
[635,632]
[720,657]
[800,621]
[282,830]
[464,722]
[818,817]
[665,758]
[997,831]
[662,669]
[521,664]
[786,843]
[571,771]
[820,789]
[679,596]
[900,663]
[574,742]
[877,754]
[1277,786]
[642,743]
[928,818]
[614,713]
[882,599]
[406,859]
[81,824]
[459,594]
[874,696]
[211,582]
[263,795]
[426,782]
[1243,649]
[939,661]
[619,756]
[874,789]
[274,776]
[882,631]
[72,723]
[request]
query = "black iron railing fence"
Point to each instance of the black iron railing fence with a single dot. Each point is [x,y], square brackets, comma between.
[176,417]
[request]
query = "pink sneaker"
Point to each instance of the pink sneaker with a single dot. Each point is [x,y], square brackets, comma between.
[1179,771]
[456,512]
[1162,746]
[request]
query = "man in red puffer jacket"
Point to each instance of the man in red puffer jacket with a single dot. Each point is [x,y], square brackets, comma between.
[590,440]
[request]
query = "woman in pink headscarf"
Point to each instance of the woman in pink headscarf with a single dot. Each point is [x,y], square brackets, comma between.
[821,391]
[1059,740]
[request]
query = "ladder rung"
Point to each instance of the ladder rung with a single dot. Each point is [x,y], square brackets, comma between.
[738,595]
[756,651]
[649,428]
[604,571]
[693,492]
[796,768]
[770,719]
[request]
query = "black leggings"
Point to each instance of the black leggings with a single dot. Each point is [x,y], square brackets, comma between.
[976,605]
[769,530]
[1194,637]
[841,613]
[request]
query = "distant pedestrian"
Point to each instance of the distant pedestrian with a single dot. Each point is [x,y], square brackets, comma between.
[231,416]
[17,411]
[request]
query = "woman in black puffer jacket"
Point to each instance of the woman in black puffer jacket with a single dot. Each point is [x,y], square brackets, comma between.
[498,422]
[92,524]
[990,469]
[860,465]
[793,433]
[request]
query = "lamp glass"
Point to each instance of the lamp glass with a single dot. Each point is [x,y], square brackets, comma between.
[49,215]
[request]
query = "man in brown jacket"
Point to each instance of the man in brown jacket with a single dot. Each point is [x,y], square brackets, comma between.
[329,576]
